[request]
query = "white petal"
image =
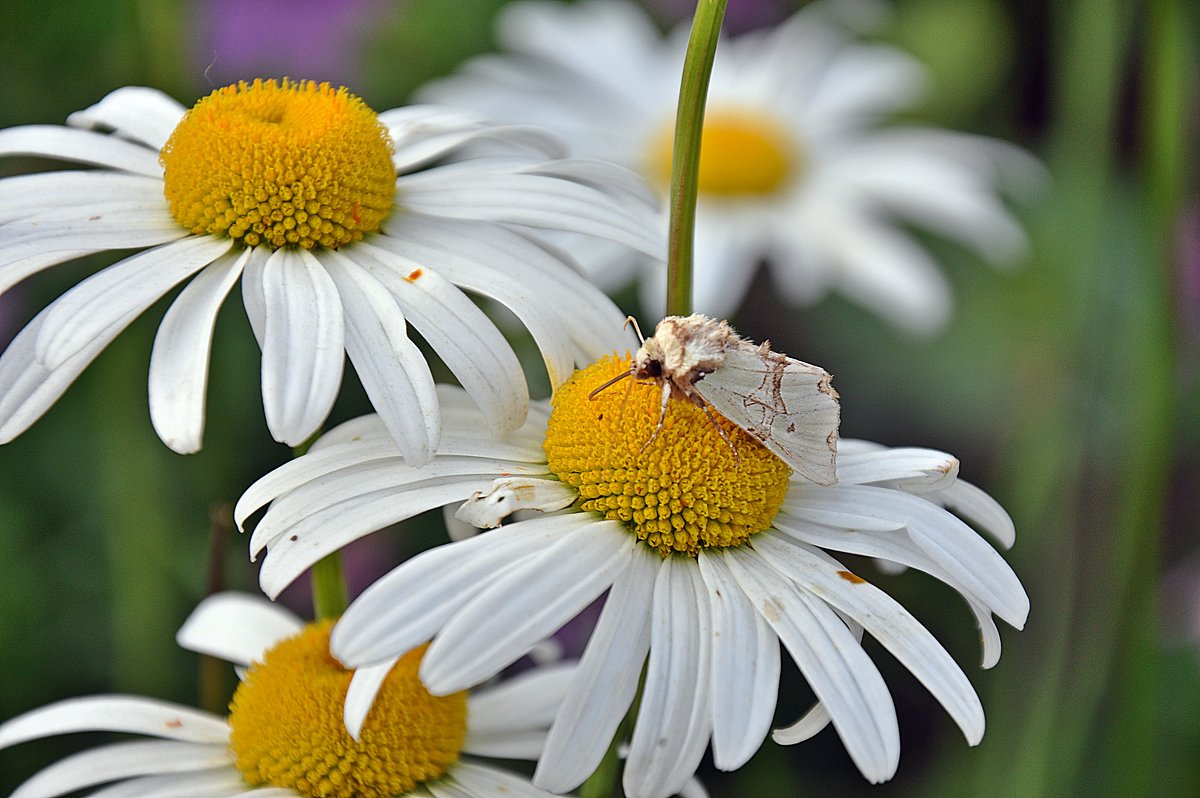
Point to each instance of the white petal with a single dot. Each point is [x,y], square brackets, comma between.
[81,146]
[506,496]
[525,140]
[136,112]
[861,82]
[526,701]
[17,270]
[303,345]
[728,247]
[121,224]
[116,713]
[814,721]
[531,200]
[525,744]
[392,370]
[179,361]
[103,304]
[605,681]
[481,781]
[360,696]
[900,549]
[886,620]
[377,453]
[911,469]
[693,789]
[224,783]
[27,387]
[500,263]
[675,716]
[122,760]
[237,627]
[462,335]
[531,600]
[943,181]
[839,671]
[811,504]
[328,530]
[253,296]
[25,195]
[603,175]
[745,671]
[946,540]
[979,508]
[380,478]
[406,607]
[884,269]
[356,429]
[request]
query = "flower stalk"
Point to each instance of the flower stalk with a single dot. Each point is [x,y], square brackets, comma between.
[328,579]
[685,162]
[685,180]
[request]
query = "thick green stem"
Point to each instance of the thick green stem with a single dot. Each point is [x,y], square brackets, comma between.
[603,782]
[214,671]
[328,580]
[328,587]
[685,163]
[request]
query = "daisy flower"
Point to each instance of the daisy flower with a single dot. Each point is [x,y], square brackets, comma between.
[712,550]
[796,169]
[342,233]
[284,734]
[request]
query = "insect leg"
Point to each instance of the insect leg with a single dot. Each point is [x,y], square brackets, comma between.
[662,414]
[737,459]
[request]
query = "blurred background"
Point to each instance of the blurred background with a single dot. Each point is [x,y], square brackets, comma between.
[1069,389]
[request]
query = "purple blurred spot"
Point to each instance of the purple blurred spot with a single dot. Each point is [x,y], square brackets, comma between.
[304,39]
[1187,258]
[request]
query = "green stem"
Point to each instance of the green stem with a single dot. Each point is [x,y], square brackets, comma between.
[685,163]
[328,579]
[329,587]
[603,782]
[214,673]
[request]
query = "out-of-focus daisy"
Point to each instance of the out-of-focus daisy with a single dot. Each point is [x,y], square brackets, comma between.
[342,233]
[712,552]
[284,735]
[795,167]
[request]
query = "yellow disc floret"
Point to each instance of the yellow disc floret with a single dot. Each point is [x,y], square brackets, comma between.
[286,727]
[289,163]
[682,490]
[741,154]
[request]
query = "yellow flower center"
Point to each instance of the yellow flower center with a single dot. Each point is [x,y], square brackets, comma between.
[285,163]
[683,491]
[286,727]
[740,154]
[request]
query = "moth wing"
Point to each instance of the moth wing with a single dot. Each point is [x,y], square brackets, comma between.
[789,406]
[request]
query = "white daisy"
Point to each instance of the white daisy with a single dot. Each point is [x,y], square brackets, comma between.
[795,167]
[342,233]
[712,552]
[284,734]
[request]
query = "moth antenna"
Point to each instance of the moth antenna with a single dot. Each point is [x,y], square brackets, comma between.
[610,383]
[631,320]
[737,459]
[662,415]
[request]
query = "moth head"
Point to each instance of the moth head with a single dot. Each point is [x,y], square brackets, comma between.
[648,362]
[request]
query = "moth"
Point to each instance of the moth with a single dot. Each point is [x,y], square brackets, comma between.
[788,406]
